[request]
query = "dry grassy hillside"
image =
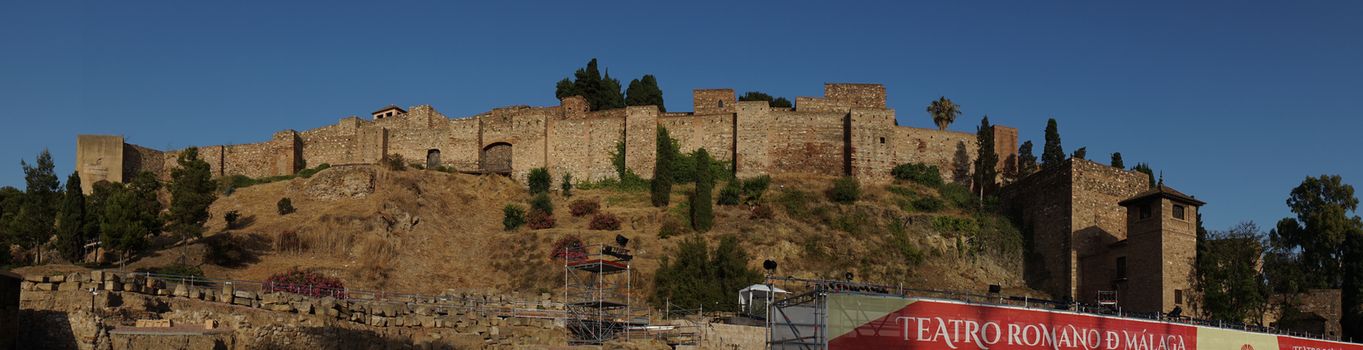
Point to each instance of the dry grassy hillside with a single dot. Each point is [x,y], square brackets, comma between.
[427,231]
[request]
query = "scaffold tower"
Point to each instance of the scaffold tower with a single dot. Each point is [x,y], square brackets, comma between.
[596,284]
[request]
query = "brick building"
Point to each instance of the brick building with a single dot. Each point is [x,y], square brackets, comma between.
[1095,229]
[848,131]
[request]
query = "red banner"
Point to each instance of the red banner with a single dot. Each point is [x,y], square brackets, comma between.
[869,322]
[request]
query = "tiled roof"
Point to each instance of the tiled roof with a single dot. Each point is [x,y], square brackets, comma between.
[1163,191]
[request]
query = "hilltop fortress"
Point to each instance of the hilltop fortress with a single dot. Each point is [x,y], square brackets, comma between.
[1086,220]
[848,131]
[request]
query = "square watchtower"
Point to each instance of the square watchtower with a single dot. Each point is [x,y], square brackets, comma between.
[1155,274]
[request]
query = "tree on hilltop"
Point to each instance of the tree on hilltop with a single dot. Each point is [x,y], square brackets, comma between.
[192,190]
[72,221]
[600,92]
[645,92]
[1117,161]
[33,225]
[943,112]
[1052,154]
[1322,247]
[1081,153]
[1145,169]
[986,159]
[1026,159]
[779,102]
[661,188]
[1232,288]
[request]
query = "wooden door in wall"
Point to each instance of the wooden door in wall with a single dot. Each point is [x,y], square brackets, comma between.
[496,158]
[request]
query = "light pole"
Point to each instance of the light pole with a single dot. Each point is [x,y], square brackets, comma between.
[94,317]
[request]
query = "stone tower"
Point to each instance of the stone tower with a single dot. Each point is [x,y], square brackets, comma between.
[1154,269]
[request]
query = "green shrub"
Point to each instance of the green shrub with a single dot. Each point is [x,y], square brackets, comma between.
[965,226]
[753,188]
[395,162]
[730,193]
[845,190]
[513,216]
[927,204]
[903,245]
[231,218]
[285,206]
[541,202]
[854,221]
[958,196]
[924,174]
[631,183]
[669,228]
[539,181]
[179,270]
[307,173]
[795,202]
[567,185]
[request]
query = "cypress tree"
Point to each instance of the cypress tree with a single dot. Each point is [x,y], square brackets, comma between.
[192,190]
[986,159]
[1026,159]
[702,208]
[1052,153]
[1145,168]
[661,187]
[72,222]
[1117,161]
[600,92]
[645,92]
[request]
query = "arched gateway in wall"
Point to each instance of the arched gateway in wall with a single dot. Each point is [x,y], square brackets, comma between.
[495,158]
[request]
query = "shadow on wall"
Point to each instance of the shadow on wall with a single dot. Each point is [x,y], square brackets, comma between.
[345,339]
[45,329]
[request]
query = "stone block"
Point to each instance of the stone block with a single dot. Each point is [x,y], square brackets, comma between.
[181,290]
[243,301]
[97,276]
[26,285]
[115,286]
[279,307]
[57,278]
[45,287]
[69,286]
[36,278]
[244,294]
[154,324]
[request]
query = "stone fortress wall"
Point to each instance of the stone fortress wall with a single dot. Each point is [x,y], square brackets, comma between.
[848,131]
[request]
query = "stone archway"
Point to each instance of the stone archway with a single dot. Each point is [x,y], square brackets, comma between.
[433,158]
[496,158]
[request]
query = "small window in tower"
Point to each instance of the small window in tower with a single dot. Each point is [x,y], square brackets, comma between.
[721,103]
[1178,297]
[1121,267]
[1145,211]
[1178,212]
[882,140]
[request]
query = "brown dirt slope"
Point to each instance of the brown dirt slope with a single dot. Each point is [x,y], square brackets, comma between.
[426,231]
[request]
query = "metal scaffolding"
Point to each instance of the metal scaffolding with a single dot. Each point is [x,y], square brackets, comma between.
[596,285]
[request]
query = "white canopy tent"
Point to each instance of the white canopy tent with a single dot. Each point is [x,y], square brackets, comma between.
[759,292]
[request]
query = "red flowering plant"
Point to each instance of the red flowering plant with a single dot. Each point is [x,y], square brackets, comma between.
[568,248]
[305,283]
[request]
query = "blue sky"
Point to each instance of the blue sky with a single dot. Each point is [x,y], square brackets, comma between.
[1236,102]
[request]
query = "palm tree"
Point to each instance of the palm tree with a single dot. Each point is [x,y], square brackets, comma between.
[943,112]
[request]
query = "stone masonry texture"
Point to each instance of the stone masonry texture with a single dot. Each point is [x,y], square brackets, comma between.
[848,131]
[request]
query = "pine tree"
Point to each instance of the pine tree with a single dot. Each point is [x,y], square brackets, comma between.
[645,92]
[1052,154]
[702,208]
[1351,288]
[1117,161]
[1026,159]
[731,272]
[986,159]
[1081,153]
[124,223]
[1145,168]
[600,92]
[661,187]
[192,190]
[72,222]
[35,222]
